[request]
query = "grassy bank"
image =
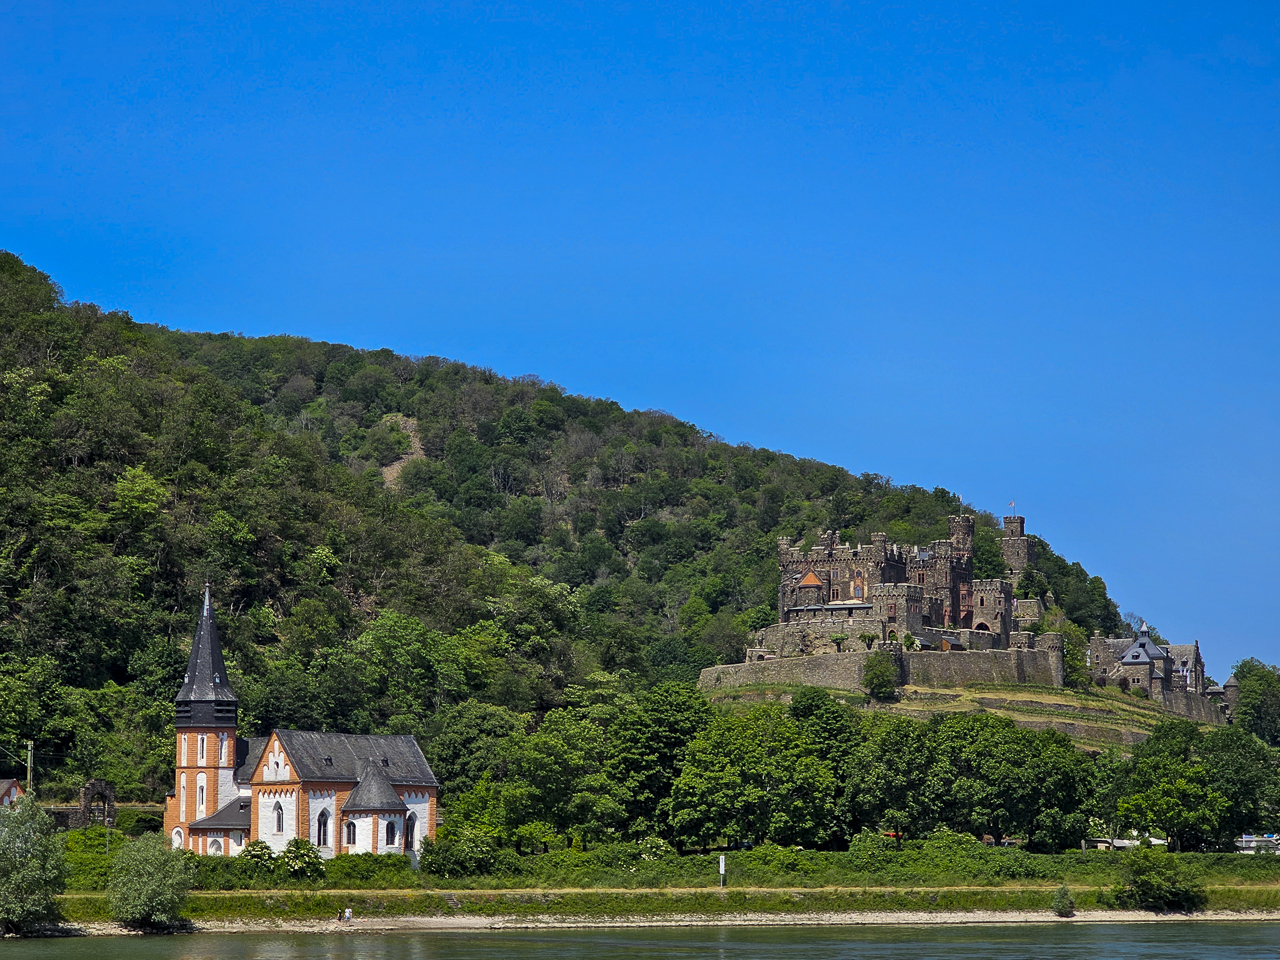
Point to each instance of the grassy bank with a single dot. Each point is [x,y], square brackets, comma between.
[595,904]
[921,864]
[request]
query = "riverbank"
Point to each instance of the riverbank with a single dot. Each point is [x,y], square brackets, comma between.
[88,914]
[405,924]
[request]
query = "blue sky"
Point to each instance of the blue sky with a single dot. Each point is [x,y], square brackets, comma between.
[1025,251]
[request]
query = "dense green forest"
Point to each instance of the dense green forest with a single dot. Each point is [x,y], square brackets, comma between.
[387,537]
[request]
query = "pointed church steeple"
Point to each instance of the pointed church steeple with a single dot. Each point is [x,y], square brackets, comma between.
[206,698]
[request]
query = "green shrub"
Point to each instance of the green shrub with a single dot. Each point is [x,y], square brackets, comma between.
[462,853]
[89,855]
[1150,880]
[149,882]
[386,871]
[134,823]
[300,860]
[258,859]
[1064,905]
[880,676]
[32,867]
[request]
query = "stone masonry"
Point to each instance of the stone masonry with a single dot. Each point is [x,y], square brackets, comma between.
[837,602]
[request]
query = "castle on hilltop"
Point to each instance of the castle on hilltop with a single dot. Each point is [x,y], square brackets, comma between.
[887,591]
[838,603]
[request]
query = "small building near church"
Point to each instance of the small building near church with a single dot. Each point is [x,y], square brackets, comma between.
[346,793]
[10,791]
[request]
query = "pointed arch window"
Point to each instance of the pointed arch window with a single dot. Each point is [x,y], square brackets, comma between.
[322,829]
[200,752]
[391,833]
[410,829]
[279,817]
[351,833]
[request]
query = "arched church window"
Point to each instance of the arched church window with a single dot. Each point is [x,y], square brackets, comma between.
[279,817]
[215,848]
[391,833]
[201,750]
[177,838]
[410,828]
[322,829]
[351,833]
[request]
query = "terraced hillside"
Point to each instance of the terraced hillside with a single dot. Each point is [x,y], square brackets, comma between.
[1093,719]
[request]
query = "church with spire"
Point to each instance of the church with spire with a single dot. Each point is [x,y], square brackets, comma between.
[346,793]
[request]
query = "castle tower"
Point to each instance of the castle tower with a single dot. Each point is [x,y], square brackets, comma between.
[206,717]
[961,535]
[1018,550]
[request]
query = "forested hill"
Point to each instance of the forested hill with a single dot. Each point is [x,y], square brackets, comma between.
[385,535]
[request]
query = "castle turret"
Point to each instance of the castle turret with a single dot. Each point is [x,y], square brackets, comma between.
[1018,550]
[961,535]
[205,717]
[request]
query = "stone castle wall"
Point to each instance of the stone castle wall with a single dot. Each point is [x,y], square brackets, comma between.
[1192,706]
[843,671]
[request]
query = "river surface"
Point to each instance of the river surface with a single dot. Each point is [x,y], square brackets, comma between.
[1156,941]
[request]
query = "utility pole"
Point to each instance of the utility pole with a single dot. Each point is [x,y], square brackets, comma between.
[31,749]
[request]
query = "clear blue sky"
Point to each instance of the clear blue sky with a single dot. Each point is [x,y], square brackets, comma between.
[1025,251]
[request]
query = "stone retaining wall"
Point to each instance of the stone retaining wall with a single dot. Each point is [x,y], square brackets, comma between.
[843,671]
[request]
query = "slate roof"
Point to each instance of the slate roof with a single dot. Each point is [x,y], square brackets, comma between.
[1143,651]
[233,816]
[206,677]
[343,757]
[374,791]
[248,756]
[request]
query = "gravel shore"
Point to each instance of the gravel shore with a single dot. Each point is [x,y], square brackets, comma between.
[860,919]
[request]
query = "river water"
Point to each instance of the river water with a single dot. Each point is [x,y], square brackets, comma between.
[1156,941]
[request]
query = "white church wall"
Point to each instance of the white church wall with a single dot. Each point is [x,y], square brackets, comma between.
[267,800]
[317,801]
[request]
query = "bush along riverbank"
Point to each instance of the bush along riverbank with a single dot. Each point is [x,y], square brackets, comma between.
[944,860]
[271,907]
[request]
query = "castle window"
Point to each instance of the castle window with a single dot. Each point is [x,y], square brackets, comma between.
[322,829]
[835,593]
[279,817]
[920,577]
[982,601]
[351,833]
[893,609]
[857,593]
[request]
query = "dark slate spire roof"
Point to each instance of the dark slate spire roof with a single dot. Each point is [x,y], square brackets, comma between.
[206,698]
[374,791]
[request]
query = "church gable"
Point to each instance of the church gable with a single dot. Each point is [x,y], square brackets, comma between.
[276,765]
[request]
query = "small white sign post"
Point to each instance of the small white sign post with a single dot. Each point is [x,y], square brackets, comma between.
[722,869]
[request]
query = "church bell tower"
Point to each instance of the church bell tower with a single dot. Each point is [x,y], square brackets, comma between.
[206,716]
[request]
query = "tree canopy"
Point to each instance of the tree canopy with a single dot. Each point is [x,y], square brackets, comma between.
[387,537]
